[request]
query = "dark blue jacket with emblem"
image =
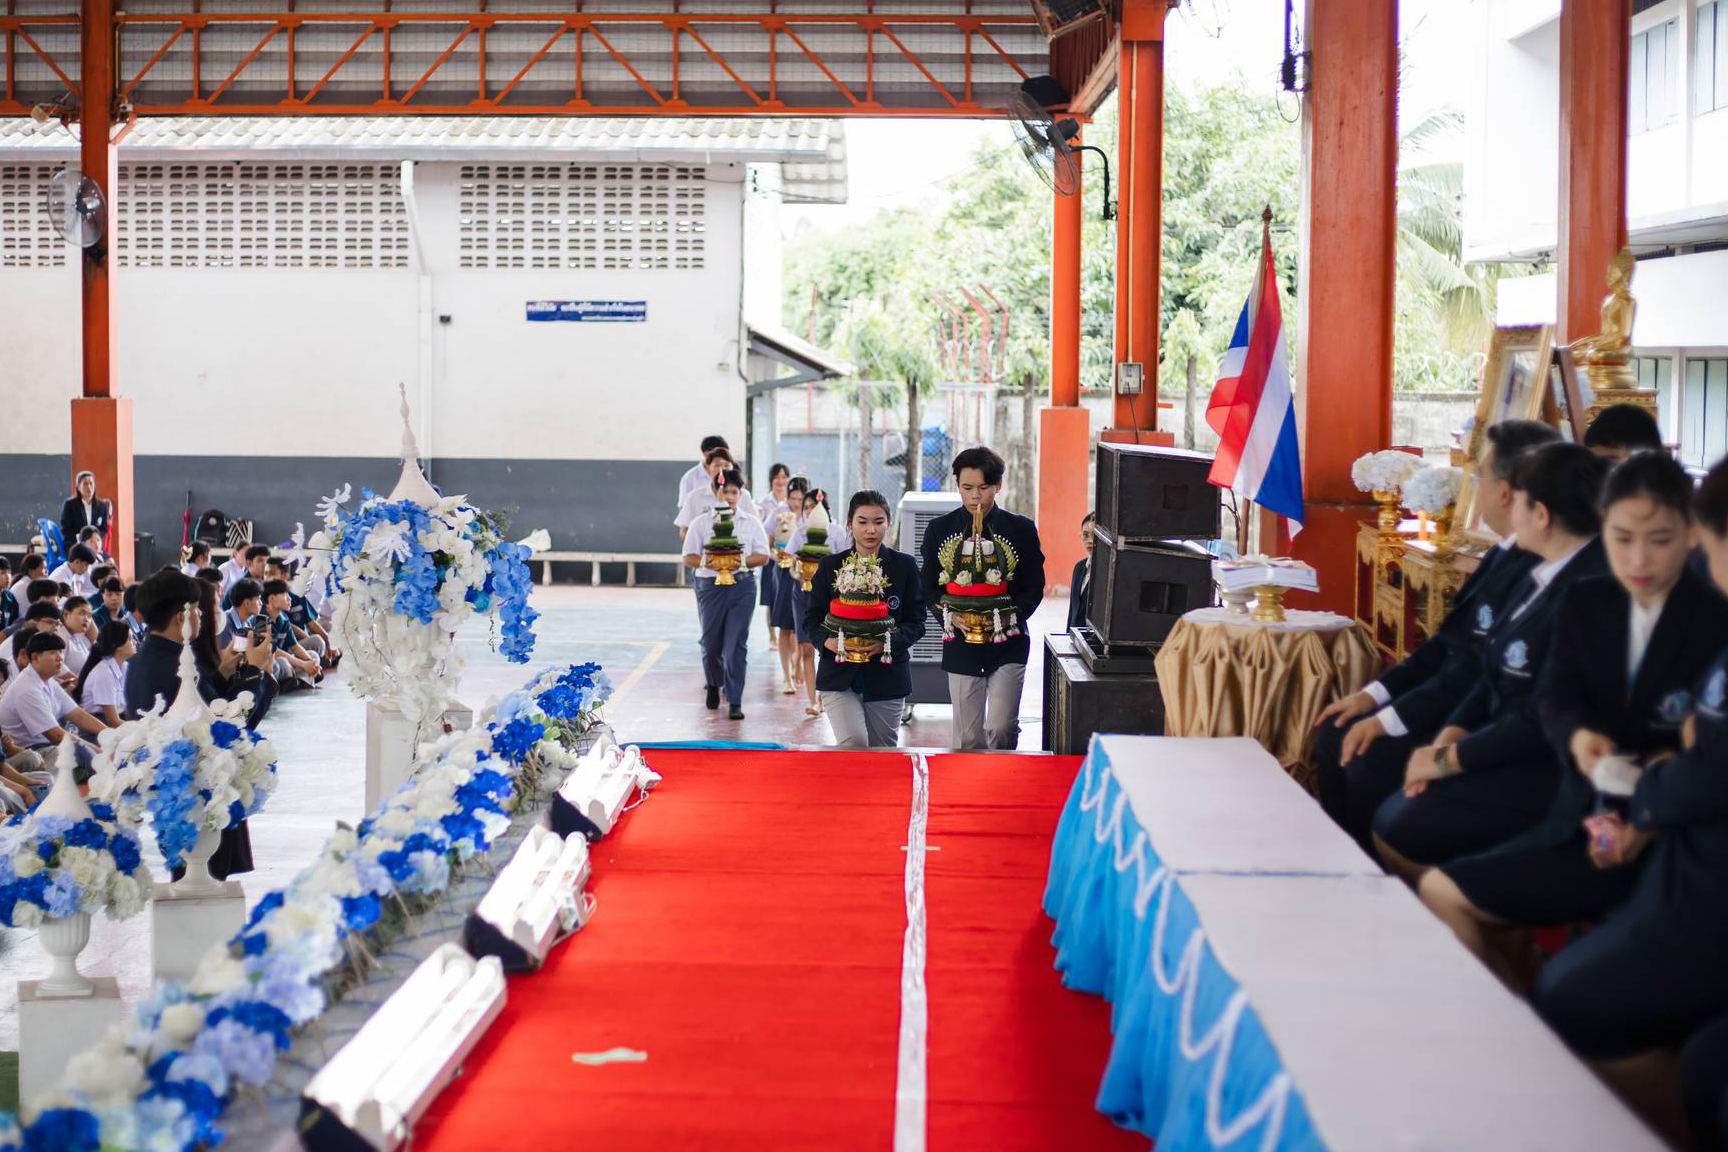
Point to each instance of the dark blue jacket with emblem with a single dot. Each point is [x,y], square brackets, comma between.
[1500,712]
[1585,684]
[1025,587]
[873,680]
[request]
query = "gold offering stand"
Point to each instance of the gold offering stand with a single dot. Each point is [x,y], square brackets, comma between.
[855,649]
[723,564]
[807,571]
[975,627]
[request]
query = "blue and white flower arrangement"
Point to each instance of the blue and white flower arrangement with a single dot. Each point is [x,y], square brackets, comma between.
[403,572]
[56,866]
[192,768]
[164,1081]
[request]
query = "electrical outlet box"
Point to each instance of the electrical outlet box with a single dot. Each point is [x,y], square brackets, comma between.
[1129,379]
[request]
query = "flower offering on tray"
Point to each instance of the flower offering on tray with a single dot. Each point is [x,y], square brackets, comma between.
[975,571]
[858,616]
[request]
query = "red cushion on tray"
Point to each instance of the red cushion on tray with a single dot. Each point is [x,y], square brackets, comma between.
[876,611]
[977,589]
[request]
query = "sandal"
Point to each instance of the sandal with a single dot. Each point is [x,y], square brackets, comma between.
[812,710]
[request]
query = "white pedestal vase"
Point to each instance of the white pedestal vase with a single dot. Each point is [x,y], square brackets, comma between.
[53,1029]
[391,744]
[196,880]
[63,937]
[193,912]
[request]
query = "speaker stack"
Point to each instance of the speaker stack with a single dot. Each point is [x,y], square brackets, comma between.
[1150,564]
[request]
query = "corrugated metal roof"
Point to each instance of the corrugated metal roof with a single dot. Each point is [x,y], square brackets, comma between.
[811,152]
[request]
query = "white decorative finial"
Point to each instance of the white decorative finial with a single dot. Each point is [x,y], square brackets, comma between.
[63,798]
[187,701]
[413,484]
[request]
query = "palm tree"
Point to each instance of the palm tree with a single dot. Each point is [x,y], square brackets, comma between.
[1431,233]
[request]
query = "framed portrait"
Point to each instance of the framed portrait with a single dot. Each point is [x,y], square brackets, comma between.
[1568,403]
[1516,385]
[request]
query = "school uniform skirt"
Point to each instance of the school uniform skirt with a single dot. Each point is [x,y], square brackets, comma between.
[800,601]
[785,614]
[770,574]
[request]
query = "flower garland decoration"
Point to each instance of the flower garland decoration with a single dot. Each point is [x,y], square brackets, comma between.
[164,1081]
[1383,471]
[858,617]
[55,866]
[1433,490]
[974,570]
[203,773]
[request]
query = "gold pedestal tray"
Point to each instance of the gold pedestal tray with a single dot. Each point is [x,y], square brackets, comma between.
[807,571]
[975,627]
[723,564]
[1269,607]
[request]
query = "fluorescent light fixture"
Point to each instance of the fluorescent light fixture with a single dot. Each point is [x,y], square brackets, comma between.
[535,902]
[595,794]
[373,1091]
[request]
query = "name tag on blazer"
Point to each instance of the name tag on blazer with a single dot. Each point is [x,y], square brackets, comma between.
[1715,691]
[1671,710]
[1484,619]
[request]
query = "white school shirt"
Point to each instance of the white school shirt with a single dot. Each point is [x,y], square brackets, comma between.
[1638,634]
[232,569]
[704,500]
[79,582]
[105,686]
[752,538]
[77,650]
[691,481]
[31,707]
[189,569]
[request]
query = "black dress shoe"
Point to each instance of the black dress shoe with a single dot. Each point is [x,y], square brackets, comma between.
[713,696]
[735,713]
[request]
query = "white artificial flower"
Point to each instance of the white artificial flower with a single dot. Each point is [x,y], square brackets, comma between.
[126,897]
[329,507]
[1383,471]
[107,1073]
[1433,490]
[217,973]
[181,1023]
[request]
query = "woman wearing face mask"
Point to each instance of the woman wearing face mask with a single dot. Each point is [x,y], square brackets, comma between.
[1626,650]
[864,701]
[1629,994]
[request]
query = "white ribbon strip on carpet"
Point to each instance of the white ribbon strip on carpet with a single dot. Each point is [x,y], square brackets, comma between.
[911,1087]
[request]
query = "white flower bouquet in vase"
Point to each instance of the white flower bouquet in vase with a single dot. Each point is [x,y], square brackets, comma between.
[1434,493]
[1383,474]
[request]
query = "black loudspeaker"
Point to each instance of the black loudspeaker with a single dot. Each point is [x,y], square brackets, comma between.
[1156,493]
[1140,590]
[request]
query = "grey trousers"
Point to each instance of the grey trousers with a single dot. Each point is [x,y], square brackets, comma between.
[861,723]
[725,616]
[987,708]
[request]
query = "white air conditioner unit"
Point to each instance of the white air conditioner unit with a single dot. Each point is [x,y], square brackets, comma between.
[537,900]
[382,1081]
[595,793]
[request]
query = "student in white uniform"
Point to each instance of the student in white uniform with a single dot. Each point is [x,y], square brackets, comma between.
[703,499]
[36,708]
[197,556]
[77,631]
[74,572]
[698,476]
[101,689]
[725,609]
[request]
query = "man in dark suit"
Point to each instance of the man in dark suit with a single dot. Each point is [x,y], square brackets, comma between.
[985,680]
[1365,740]
[83,509]
[1080,584]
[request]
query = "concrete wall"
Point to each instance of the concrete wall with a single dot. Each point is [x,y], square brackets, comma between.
[261,389]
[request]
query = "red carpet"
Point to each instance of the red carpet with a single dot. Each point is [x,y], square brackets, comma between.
[1015,1058]
[748,939]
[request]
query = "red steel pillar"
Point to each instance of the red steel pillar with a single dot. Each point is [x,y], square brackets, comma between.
[102,421]
[1349,237]
[1064,428]
[1595,49]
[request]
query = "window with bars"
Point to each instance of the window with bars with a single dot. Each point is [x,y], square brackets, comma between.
[27,236]
[581,216]
[239,215]
[1704,411]
[1710,57]
[1652,84]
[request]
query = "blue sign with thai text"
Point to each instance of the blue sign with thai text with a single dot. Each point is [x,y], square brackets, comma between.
[590,311]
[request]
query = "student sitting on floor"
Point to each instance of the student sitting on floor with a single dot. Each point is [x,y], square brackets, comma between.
[195,555]
[1631,992]
[36,706]
[101,689]
[1626,651]
[10,609]
[42,617]
[307,628]
[113,605]
[1620,430]
[1489,774]
[1362,764]
[74,571]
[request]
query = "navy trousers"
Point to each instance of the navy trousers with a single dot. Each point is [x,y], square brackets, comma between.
[725,615]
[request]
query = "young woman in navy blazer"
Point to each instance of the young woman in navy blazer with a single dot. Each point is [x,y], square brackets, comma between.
[864,701]
[1632,991]
[1490,772]
[1626,651]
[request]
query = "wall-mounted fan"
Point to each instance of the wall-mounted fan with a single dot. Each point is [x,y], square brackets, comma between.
[78,211]
[1047,142]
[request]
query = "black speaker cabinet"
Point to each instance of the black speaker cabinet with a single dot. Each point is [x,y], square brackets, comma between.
[1140,590]
[1156,493]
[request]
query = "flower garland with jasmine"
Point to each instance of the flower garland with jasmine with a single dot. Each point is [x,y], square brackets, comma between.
[53,867]
[165,1081]
[1433,491]
[1383,471]
[188,773]
[975,569]
[857,615]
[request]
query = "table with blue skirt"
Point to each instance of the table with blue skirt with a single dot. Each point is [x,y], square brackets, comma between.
[1271,989]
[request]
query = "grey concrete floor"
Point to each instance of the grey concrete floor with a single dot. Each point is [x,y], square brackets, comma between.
[646,638]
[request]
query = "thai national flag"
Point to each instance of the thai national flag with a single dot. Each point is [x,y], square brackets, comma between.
[1253,410]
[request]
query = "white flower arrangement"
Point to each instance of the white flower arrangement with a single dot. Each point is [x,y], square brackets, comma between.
[190,767]
[1383,471]
[1433,490]
[861,578]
